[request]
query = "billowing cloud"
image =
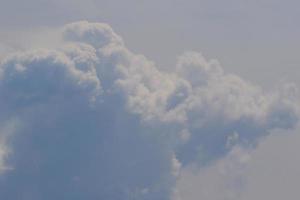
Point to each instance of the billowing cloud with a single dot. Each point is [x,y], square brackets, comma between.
[92,120]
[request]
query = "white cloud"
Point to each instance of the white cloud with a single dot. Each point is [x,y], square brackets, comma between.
[98,121]
[96,34]
[6,131]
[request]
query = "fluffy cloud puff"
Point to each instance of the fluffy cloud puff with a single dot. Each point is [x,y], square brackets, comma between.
[92,120]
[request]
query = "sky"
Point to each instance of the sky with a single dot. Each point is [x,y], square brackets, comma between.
[143,100]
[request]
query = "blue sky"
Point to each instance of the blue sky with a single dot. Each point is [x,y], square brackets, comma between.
[166,100]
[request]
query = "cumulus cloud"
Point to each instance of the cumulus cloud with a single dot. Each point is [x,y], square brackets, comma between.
[6,129]
[96,121]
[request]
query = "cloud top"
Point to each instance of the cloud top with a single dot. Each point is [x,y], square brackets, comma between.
[96,34]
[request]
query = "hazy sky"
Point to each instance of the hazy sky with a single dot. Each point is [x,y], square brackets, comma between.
[149,100]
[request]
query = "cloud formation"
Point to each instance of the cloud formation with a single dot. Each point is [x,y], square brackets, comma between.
[92,120]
